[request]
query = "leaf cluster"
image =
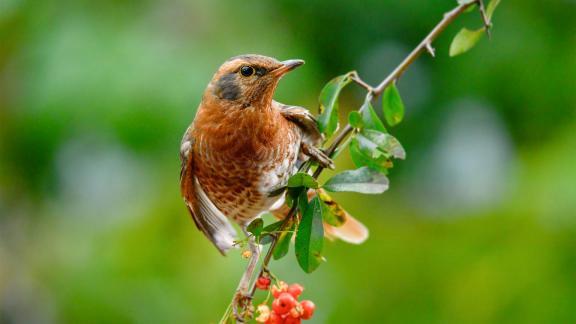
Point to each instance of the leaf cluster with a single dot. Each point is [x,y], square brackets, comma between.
[372,149]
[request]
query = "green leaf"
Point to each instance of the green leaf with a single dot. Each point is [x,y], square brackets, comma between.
[471,8]
[370,118]
[363,157]
[328,119]
[302,179]
[491,7]
[269,231]
[465,40]
[386,143]
[303,201]
[370,148]
[273,227]
[363,180]
[392,105]
[333,214]
[292,195]
[355,119]
[465,1]
[265,239]
[310,237]
[283,245]
[256,226]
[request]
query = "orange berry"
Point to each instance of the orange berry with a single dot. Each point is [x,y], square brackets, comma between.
[279,288]
[246,254]
[263,283]
[274,319]
[292,320]
[308,309]
[296,311]
[295,290]
[283,304]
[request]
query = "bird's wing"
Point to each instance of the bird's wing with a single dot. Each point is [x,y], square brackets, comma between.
[305,121]
[207,217]
[311,136]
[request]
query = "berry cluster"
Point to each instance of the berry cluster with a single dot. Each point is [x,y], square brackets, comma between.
[285,308]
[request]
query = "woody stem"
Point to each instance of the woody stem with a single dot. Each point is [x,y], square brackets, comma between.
[268,255]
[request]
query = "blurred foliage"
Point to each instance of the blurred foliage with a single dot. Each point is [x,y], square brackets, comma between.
[478,225]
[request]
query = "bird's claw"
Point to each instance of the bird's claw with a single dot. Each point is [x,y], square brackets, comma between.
[318,155]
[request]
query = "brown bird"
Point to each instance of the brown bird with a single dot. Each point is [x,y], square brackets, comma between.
[242,146]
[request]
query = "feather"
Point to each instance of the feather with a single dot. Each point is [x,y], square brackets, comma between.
[205,214]
[305,121]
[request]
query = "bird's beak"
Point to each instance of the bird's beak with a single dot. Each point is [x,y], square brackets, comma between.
[287,66]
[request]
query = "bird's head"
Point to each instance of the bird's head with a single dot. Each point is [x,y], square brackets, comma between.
[249,80]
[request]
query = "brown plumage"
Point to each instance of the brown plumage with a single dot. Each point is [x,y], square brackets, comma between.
[242,145]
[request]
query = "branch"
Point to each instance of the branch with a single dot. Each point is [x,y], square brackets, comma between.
[372,92]
[425,45]
[426,42]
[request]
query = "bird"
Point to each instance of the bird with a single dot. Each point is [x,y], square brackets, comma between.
[243,145]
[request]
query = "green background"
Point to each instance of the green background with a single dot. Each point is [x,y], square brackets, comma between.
[478,226]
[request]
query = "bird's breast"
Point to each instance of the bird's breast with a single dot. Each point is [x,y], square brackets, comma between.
[239,176]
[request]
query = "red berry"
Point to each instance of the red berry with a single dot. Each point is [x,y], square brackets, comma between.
[295,290]
[279,288]
[275,319]
[308,308]
[296,311]
[263,283]
[292,320]
[283,304]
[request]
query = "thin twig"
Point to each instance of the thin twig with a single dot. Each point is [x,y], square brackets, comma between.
[430,49]
[485,19]
[356,78]
[273,244]
[429,39]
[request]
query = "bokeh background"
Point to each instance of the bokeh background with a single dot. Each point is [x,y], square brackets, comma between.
[479,225]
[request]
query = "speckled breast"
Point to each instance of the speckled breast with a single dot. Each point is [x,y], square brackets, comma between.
[238,180]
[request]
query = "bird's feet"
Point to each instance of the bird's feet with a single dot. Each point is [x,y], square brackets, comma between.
[318,155]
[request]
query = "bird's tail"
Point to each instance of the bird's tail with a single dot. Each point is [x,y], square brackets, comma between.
[351,231]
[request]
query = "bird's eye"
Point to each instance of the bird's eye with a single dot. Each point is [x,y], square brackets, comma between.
[247,71]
